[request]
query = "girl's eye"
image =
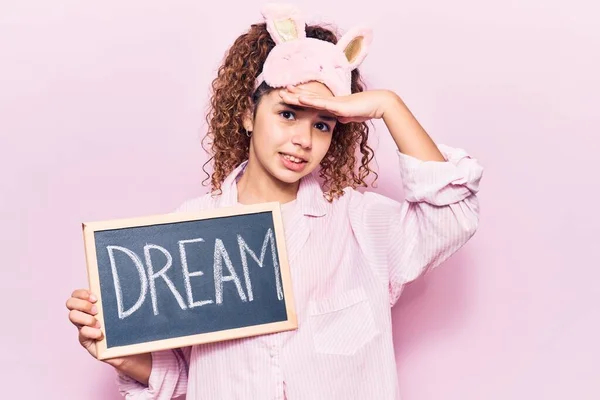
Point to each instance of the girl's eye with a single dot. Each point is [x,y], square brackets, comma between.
[322,126]
[287,115]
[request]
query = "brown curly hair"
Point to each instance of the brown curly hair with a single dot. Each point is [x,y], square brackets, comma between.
[233,95]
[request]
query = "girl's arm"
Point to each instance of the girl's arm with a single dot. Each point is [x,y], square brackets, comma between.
[162,375]
[408,134]
[440,212]
[137,367]
[439,215]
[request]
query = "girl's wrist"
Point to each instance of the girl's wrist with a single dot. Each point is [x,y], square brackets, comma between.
[391,104]
[115,362]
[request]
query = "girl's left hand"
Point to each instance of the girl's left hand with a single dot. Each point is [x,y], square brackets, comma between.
[356,107]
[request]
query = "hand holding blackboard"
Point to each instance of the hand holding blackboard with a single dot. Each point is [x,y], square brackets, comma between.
[175,280]
[82,311]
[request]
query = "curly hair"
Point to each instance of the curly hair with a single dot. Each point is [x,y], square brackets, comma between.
[233,95]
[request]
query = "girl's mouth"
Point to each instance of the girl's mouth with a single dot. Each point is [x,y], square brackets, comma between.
[293,163]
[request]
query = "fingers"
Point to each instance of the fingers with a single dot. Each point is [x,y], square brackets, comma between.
[80,319]
[293,89]
[315,102]
[308,95]
[89,333]
[81,302]
[292,93]
[81,305]
[289,98]
[84,294]
[297,90]
[309,100]
[81,314]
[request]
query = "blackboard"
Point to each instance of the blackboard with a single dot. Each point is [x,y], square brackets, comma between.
[175,280]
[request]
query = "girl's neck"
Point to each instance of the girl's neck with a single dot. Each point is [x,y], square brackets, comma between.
[257,185]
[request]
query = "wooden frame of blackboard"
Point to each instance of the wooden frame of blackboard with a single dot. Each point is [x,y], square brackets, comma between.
[291,323]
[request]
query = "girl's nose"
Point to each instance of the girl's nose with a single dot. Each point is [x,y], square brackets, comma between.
[303,135]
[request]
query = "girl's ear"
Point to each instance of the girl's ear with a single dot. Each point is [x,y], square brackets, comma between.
[248,120]
[355,45]
[284,22]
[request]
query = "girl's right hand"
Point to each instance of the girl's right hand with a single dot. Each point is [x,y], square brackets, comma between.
[82,314]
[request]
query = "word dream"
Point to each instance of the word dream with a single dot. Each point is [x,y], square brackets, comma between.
[148,275]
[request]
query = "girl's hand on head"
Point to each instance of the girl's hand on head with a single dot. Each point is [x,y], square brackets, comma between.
[356,107]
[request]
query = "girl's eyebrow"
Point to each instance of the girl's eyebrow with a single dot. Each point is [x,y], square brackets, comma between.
[326,117]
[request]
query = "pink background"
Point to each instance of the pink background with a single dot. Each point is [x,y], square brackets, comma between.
[101,112]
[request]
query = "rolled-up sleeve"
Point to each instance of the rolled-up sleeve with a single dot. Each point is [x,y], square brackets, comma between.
[439,214]
[168,378]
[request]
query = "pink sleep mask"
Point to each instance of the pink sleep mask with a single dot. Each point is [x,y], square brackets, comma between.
[297,59]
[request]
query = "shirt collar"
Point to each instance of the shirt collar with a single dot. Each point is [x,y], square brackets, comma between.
[310,199]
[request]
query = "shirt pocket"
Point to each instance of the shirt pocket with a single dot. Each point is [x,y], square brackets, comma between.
[342,325]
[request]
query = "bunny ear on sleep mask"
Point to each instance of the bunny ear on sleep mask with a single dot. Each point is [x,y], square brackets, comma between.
[298,59]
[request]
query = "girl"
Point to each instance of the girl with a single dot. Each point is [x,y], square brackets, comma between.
[288,101]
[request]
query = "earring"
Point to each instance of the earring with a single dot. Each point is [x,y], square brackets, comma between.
[248,133]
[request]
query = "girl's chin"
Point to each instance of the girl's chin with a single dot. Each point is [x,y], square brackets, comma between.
[287,176]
